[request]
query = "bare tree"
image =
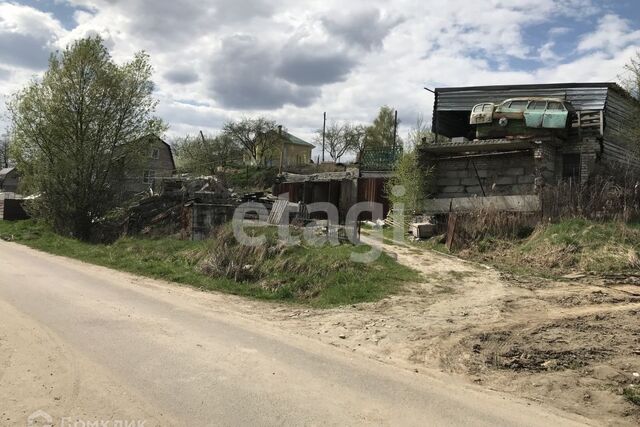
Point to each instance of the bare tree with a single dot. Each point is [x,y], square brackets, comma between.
[630,80]
[203,154]
[336,145]
[256,136]
[355,138]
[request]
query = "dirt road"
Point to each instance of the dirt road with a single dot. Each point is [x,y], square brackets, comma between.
[569,344]
[82,342]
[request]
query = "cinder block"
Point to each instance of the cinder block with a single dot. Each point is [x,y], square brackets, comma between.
[505,180]
[452,189]
[469,181]
[525,179]
[448,181]
[423,230]
[515,171]
[474,190]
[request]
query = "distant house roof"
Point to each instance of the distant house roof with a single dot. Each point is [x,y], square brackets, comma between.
[6,171]
[297,141]
[152,135]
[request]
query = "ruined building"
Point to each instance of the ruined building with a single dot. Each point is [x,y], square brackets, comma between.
[499,142]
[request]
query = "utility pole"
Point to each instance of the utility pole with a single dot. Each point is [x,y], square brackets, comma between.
[281,147]
[324,127]
[395,129]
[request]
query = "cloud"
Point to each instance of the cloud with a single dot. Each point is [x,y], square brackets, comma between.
[309,67]
[365,28]
[290,60]
[244,77]
[27,36]
[23,51]
[181,76]
[612,34]
[4,74]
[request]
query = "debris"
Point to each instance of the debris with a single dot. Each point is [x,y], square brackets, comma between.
[574,276]
[422,230]
[342,336]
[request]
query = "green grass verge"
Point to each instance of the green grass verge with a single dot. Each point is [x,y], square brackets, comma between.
[315,276]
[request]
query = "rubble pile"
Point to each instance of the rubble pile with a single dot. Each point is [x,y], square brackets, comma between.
[170,210]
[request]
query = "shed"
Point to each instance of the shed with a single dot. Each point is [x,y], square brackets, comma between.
[516,165]
[9,180]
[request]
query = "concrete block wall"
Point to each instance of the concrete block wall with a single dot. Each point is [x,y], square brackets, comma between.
[589,151]
[206,217]
[504,174]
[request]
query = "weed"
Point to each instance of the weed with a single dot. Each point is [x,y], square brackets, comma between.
[632,394]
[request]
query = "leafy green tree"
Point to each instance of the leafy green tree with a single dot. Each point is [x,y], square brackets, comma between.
[408,184]
[381,132]
[5,142]
[79,131]
[256,136]
[205,153]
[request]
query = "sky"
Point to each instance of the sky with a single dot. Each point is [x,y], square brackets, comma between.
[292,60]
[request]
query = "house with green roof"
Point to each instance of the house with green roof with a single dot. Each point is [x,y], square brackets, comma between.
[297,152]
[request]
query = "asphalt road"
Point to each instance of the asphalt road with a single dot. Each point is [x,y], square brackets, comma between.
[200,364]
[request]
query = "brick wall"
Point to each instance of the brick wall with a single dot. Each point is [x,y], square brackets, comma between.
[502,174]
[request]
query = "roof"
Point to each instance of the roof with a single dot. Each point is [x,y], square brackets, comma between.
[6,171]
[453,104]
[297,141]
[583,96]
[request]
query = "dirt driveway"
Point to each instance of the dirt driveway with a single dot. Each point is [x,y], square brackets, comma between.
[573,344]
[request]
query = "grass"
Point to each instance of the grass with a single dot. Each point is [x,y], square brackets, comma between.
[315,276]
[571,245]
[632,394]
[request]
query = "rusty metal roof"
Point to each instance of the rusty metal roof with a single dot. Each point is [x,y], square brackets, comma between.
[452,105]
[583,96]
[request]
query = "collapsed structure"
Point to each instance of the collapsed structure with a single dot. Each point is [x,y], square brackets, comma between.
[504,143]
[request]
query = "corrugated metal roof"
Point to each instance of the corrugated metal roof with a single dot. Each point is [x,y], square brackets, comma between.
[583,96]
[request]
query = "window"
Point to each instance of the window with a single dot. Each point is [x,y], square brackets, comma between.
[148,176]
[571,167]
[155,153]
[555,106]
[518,105]
[537,105]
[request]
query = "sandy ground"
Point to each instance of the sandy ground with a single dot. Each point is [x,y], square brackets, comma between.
[573,344]
[38,371]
